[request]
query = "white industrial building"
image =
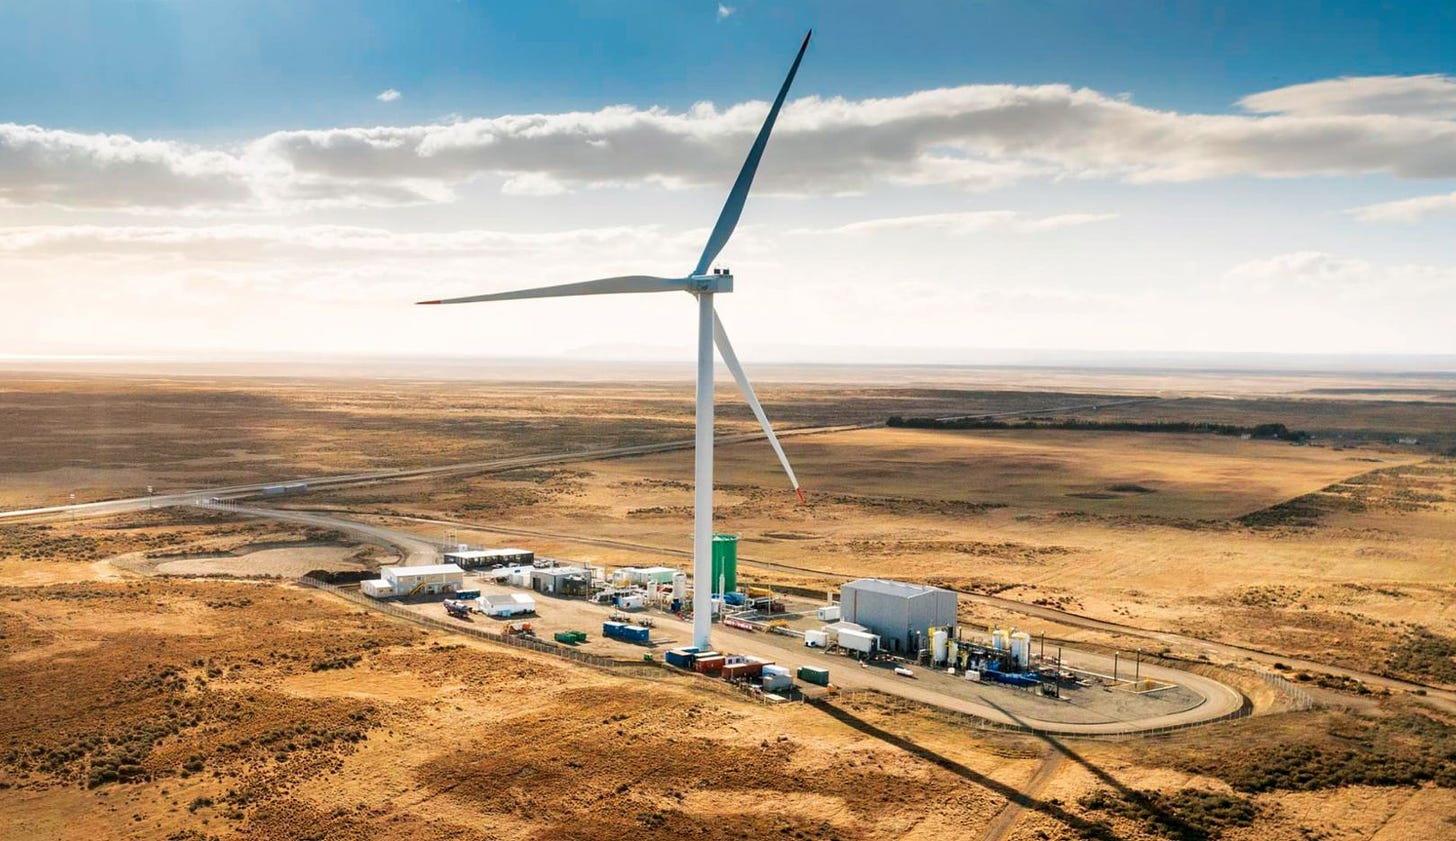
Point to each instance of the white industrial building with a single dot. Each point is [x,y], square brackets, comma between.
[901,614]
[643,576]
[478,558]
[408,581]
[507,604]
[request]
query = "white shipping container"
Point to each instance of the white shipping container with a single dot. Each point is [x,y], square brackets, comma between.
[828,613]
[816,639]
[858,641]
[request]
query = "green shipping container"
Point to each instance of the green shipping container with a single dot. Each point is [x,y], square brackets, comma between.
[725,563]
[814,675]
[567,637]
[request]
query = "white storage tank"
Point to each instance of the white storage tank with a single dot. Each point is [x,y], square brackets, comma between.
[1000,639]
[1021,648]
[680,586]
[938,640]
[816,639]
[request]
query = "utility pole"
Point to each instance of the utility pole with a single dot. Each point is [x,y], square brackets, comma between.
[1114,668]
[1137,667]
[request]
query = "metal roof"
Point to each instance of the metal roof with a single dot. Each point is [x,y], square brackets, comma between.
[892,588]
[429,569]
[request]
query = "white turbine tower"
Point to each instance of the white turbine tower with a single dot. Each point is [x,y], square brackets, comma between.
[703,284]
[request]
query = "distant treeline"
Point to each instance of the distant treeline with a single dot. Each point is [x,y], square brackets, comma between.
[1267,431]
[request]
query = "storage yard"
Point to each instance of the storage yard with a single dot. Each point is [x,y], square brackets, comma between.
[638,612]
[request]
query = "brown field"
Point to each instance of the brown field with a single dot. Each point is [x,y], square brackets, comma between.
[138,706]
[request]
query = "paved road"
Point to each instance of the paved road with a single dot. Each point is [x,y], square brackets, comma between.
[414,550]
[191,497]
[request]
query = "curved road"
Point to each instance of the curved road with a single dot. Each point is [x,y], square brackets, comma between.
[1443,698]
[1218,700]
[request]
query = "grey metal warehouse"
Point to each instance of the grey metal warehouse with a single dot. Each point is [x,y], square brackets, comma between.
[900,613]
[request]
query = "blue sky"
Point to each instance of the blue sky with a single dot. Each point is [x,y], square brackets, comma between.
[229,177]
[186,67]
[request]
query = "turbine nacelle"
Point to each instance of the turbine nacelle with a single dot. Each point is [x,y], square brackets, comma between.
[715,282]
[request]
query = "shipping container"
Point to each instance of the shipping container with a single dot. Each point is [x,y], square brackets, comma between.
[566,637]
[828,613]
[860,641]
[747,669]
[709,665]
[816,639]
[814,674]
[680,658]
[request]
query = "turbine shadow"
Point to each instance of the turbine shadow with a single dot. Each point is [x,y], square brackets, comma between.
[1176,826]
[1086,828]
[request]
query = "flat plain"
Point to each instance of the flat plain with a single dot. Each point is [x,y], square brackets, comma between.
[161,676]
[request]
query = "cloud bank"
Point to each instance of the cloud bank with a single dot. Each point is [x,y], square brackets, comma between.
[973,137]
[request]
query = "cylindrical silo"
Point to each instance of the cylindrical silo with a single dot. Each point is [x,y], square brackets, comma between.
[1000,639]
[1021,648]
[938,639]
[679,585]
[725,563]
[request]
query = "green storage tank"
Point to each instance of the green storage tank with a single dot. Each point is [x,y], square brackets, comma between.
[725,563]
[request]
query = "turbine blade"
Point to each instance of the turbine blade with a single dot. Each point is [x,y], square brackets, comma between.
[733,208]
[725,348]
[604,286]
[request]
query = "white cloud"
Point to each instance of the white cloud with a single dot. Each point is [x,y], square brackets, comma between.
[1407,210]
[969,222]
[972,137]
[1322,272]
[41,166]
[388,95]
[1430,96]
[725,11]
[264,243]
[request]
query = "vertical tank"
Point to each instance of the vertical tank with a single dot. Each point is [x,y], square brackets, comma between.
[1021,648]
[1000,640]
[725,563]
[679,585]
[938,638]
[953,655]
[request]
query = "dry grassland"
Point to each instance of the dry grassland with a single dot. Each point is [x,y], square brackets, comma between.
[186,709]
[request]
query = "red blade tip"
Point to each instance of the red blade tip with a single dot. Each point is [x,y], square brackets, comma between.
[424,303]
[801,496]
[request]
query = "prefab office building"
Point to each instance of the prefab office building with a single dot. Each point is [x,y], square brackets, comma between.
[900,613]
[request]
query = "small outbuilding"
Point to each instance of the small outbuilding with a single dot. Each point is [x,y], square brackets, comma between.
[506,604]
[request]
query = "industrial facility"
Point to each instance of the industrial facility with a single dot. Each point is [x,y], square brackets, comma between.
[408,581]
[489,558]
[898,613]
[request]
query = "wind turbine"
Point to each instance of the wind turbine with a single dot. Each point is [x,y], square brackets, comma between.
[703,284]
